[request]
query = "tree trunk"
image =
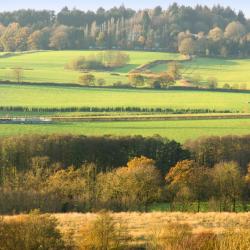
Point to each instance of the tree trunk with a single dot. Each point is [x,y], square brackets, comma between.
[198,206]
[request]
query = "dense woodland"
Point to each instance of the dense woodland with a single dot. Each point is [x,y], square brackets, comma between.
[76,173]
[204,31]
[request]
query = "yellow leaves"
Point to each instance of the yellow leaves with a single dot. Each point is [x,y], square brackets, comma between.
[180,172]
[140,162]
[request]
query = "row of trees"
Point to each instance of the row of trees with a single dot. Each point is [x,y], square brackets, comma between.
[224,185]
[105,152]
[74,173]
[109,152]
[52,188]
[133,187]
[213,32]
[232,42]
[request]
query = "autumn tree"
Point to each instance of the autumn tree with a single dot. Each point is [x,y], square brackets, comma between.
[87,79]
[134,186]
[188,180]
[166,80]
[212,82]
[39,39]
[136,80]
[196,80]
[235,30]
[59,38]
[228,184]
[174,70]
[115,59]
[216,34]
[187,46]
[8,38]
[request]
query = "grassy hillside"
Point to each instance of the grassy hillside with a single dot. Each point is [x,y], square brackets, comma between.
[40,96]
[177,130]
[225,70]
[49,66]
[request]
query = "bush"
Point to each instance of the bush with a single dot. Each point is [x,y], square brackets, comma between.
[101,82]
[87,79]
[180,237]
[102,60]
[32,232]
[212,83]
[136,80]
[226,86]
[104,233]
[196,80]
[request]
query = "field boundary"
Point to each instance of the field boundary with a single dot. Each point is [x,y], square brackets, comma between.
[151,118]
[170,88]
[147,66]
[34,120]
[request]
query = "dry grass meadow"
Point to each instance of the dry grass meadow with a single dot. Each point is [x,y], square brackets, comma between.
[141,225]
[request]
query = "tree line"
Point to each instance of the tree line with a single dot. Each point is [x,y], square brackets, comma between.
[215,31]
[76,173]
[113,109]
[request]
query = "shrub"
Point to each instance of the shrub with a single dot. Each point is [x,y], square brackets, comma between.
[87,79]
[196,80]
[101,82]
[102,60]
[103,233]
[136,80]
[212,83]
[180,237]
[32,232]
[226,86]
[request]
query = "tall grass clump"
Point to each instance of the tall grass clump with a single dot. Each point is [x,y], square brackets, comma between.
[179,237]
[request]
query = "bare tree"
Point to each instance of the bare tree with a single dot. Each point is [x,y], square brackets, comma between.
[18,74]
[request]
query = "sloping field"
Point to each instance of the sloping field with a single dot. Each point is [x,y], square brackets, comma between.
[49,66]
[40,96]
[233,72]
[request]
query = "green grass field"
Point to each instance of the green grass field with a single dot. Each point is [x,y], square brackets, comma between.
[225,70]
[40,96]
[177,130]
[49,66]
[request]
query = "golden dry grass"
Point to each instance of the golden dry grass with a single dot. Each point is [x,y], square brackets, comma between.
[141,225]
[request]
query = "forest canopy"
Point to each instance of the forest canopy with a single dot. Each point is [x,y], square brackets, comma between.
[216,31]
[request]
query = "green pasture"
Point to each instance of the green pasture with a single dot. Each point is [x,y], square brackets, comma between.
[178,130]
[41,96]
[233,72]
[49,66]
[193,207]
